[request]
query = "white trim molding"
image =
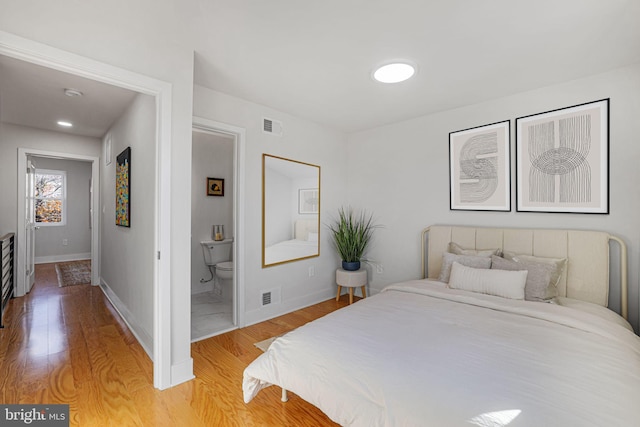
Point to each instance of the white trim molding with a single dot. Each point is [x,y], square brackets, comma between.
[50,57]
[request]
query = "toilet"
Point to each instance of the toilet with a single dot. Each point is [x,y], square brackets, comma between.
[218,255]
[224,270]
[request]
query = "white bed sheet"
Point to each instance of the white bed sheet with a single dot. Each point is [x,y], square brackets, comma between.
[421,354]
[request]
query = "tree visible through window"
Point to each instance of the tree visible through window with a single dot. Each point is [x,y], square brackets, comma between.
[50,197]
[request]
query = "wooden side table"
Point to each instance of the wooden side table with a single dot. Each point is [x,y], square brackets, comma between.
[351,279]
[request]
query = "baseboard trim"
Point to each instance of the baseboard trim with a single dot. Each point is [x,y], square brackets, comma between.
[136,329]
[267,313]
[61,258]
[182,372]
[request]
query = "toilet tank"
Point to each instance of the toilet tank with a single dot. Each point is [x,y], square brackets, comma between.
[216,251]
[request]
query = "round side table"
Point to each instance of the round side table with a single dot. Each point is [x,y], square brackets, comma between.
[351,279]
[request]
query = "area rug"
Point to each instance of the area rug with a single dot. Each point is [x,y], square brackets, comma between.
[264,344]
[73,273]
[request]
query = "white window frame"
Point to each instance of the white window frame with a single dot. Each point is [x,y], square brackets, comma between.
[63,198]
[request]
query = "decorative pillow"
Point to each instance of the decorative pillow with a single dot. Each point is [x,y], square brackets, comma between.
[470,261]
[455,248]
[312,237]
[538,277]
[559,265]
[501,283]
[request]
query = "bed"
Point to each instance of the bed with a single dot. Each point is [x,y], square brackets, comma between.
[425,352]
[303,245]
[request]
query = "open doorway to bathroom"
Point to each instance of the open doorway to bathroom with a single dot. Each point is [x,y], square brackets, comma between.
[213,281]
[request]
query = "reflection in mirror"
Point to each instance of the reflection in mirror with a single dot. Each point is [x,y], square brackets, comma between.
[290,210]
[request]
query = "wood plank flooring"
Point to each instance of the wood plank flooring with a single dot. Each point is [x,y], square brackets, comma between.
[68,345]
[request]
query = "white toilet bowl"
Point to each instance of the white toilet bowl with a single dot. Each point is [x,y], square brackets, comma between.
[224,270]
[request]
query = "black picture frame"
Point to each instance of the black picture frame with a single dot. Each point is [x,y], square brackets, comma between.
[215,187]
[480,168]
[562,160]
[123,188]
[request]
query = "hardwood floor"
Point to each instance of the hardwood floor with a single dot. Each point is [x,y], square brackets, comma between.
[68,345]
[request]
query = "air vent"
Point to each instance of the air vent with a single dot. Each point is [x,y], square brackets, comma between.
[266,298]
[272,127]
[271,296]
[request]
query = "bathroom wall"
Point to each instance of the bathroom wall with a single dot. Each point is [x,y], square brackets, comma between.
[212,157]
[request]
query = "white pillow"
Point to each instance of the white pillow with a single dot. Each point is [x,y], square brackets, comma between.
[312,237]
[501,283]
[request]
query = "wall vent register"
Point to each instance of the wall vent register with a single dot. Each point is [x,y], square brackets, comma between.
[272,127]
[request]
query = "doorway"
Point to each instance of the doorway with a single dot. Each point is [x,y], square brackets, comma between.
[26,228]
[217,277]
[212,234]
[46,56]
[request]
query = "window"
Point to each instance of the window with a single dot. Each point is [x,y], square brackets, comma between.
[50,195]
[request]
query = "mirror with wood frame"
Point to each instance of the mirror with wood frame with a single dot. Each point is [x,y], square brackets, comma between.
[290,210]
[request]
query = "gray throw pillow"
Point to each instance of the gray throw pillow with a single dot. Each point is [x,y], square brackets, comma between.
[455,248]
[467,260]
[559,265]
[538,276]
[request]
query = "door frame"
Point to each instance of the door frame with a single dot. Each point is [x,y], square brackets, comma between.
[238,136]
[50,57]
[23,153]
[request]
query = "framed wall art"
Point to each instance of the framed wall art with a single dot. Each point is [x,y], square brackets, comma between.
[308,201]
[562,160]
[479,168]
[123,188]
[215,187]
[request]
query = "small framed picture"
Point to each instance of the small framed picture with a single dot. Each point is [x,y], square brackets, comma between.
[215,187]
[308,201]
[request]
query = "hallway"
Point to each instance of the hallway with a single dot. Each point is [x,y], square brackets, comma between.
[67,345]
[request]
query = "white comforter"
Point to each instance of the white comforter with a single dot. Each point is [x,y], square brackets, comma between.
[419,354]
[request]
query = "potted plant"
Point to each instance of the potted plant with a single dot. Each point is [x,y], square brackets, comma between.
[351,236]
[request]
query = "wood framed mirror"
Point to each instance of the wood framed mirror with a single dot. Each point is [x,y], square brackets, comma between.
[290,210]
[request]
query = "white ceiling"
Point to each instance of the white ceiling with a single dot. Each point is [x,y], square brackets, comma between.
[314,59]
[31,95]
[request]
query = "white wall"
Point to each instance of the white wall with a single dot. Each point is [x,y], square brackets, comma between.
[49,245]
[304,141]
[127,253]
[401,173]
[212,157]
[13,137]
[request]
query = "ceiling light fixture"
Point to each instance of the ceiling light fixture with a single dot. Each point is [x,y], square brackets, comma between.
[394,73]
[64,124]
[72,92]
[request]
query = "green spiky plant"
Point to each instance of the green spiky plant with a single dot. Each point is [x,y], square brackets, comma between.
[352,234]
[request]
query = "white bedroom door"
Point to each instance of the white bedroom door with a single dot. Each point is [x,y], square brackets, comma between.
[30,225]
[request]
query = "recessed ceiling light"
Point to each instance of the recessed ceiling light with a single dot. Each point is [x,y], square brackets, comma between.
[394,73]
[65,124]
[72,92]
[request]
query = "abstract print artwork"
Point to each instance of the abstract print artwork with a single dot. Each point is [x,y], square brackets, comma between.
[562,160]
[479,174]
[123,188]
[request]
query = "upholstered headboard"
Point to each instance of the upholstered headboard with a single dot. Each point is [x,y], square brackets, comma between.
[305,226]
[586,277]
